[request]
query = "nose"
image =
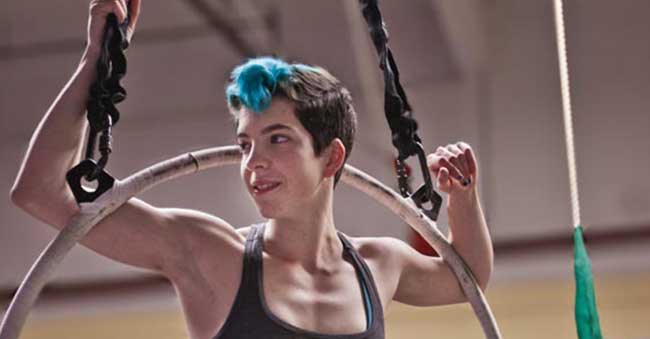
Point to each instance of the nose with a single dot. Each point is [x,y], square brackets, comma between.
[256,159]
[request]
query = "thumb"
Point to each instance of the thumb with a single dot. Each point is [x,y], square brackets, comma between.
[134,13]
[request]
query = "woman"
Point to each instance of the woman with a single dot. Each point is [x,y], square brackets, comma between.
[294,276]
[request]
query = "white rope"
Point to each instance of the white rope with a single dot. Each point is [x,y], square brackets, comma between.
[92,213]
[566,110]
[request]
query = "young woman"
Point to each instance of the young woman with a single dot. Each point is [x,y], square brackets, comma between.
[295,275]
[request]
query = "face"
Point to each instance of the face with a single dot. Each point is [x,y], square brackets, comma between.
[279,168]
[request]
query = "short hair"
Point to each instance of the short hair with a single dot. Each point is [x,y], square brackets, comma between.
[322,104]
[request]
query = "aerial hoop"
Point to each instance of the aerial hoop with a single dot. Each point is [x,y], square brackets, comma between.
[92,213]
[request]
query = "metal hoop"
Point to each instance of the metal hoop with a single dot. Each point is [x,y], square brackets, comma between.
[92,213]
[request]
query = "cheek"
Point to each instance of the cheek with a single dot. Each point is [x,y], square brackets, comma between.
[243,173]
[308,170]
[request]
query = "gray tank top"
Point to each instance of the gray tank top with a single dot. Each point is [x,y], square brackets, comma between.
[250,317]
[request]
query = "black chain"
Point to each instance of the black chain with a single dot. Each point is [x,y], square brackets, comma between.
[399,115]
[105,93]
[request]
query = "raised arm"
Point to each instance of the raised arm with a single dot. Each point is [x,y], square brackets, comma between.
[137,234]
[56,144]
[426,281]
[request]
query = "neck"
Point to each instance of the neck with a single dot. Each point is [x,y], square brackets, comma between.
[308,239]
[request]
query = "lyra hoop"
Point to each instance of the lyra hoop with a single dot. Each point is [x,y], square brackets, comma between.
[92,213]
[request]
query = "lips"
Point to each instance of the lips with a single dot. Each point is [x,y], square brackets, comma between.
[261,187]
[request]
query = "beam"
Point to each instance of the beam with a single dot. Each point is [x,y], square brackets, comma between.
[224,25]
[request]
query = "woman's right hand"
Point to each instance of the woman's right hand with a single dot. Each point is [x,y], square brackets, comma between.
[99,11]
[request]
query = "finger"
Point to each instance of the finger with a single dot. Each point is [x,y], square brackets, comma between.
[101,9]
[459,160]
[469,155]
[433,160]
[119,10]
[454,171]
[134,10]
[443,180]
[445,158]
[123,4]
[453,149]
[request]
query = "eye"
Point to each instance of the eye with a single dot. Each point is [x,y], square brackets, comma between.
[279,139]
[244,146]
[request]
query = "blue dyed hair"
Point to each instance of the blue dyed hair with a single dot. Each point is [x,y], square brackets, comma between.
[321,103]
[254,83]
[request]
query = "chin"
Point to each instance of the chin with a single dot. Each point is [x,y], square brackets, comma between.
[267,212]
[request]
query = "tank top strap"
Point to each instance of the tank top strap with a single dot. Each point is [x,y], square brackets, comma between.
[367,280]
[252,262]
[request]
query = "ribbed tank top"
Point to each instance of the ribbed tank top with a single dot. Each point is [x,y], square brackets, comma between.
[250,316]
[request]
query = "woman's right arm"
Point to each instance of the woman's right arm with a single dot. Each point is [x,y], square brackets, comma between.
[137,233]
[56,144]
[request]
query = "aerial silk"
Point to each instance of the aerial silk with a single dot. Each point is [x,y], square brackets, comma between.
[586,312]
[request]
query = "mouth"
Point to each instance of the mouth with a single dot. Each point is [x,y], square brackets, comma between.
[262,188]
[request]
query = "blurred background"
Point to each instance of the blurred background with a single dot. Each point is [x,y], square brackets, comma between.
[484,72]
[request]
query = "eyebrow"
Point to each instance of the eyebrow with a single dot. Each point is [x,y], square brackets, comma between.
[267,129]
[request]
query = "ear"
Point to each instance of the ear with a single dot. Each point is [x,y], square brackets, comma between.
[335,157]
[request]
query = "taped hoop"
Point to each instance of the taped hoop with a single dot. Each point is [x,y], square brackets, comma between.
[92,213]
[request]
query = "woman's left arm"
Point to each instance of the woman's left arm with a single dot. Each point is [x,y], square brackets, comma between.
[455,169]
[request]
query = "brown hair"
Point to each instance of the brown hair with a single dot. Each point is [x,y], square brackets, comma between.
[322,105]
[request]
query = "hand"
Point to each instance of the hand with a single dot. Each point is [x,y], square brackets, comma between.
[99,11]
[454,167]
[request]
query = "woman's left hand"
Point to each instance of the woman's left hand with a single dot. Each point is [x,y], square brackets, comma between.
[454,167]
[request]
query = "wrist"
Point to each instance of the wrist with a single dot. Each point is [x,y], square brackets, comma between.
[462,198]
[91,53]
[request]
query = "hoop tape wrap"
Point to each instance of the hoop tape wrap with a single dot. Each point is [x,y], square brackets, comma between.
[92,213]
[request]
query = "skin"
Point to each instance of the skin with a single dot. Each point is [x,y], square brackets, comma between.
[306,281]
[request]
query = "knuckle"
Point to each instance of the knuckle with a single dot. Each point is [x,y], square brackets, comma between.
[102,7]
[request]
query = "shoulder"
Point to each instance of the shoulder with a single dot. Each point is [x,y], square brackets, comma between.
[386,255]
[203,238]
[371,248]
[385,259]
[194,225]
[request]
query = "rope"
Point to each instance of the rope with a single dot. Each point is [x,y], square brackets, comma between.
[566,110]
[92,213]
[586,311]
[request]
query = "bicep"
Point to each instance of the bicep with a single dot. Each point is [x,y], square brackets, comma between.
[142,235]
[425,280]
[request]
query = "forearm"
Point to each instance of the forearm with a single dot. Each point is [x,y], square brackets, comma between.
[56,143]
[469,234]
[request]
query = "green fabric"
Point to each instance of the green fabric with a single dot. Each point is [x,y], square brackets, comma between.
[586,313]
